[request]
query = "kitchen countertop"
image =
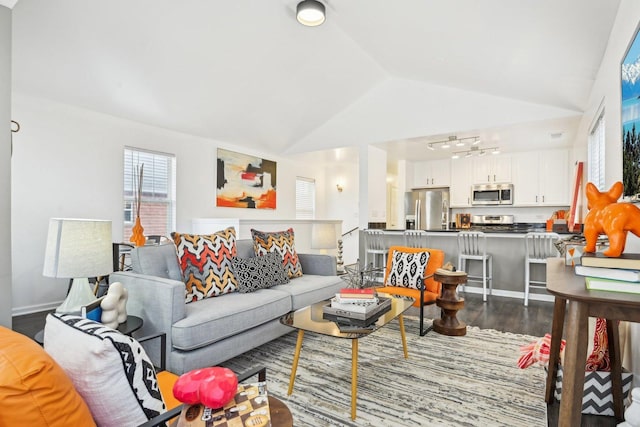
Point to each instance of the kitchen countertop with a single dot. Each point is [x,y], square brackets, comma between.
[518,228]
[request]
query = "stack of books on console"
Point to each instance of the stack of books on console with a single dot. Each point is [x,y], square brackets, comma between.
[621,274]
[354,308]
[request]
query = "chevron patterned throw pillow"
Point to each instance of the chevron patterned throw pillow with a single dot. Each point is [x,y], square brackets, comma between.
[281,242]
[206,263]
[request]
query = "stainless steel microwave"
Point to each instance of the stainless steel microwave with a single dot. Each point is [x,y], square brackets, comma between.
[492,194]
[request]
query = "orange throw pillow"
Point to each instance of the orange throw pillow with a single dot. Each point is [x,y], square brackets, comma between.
[34,390]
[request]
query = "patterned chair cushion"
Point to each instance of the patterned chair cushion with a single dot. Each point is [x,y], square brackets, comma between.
[205,261]
[407,269]
[111,371]
[281,242]
[259,272]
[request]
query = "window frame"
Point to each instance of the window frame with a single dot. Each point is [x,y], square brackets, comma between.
[596,151]
[160,190]
[305,203]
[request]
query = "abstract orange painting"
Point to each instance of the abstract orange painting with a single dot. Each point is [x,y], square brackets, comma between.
[244,181]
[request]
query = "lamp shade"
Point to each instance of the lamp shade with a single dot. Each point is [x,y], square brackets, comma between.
[78,248]
[323,236]
[310,13]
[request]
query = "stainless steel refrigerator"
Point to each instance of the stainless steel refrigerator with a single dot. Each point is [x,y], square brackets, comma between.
[429,206]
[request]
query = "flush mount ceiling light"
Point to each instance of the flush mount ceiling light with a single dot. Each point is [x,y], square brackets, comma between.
[310,13]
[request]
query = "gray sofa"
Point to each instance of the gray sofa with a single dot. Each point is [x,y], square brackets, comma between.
[210,331]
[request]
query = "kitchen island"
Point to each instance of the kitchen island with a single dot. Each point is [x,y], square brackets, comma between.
[507,248]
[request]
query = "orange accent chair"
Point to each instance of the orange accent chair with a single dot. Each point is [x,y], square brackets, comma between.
[430,289]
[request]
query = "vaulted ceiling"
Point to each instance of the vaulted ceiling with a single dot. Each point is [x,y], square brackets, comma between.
[376,72]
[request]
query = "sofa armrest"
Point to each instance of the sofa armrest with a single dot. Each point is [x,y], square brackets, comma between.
[321,265]
[159,302]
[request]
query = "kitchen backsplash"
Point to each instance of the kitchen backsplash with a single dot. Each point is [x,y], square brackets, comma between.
[523,214]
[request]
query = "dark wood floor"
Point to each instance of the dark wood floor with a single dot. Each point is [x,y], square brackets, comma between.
[502,314]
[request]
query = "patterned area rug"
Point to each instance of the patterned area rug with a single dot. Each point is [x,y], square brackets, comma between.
[447,381]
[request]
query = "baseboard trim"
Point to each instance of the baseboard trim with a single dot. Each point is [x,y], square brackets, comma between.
[510,294]
[35,308]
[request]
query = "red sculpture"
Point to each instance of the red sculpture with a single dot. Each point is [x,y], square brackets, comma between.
[608,217]
[213,387]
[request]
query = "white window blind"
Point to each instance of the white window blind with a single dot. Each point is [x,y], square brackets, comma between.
[158,201]
[595,170]
[305,198]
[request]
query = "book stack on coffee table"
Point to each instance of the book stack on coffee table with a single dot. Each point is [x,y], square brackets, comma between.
[620,274]
[356,309]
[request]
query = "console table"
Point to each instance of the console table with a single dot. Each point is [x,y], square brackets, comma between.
[566,286]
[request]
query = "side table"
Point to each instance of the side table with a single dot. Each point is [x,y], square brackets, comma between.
[132,324]
[280,413]
[450,303]
[578,303]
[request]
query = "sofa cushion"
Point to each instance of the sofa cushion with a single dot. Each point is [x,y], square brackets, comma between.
[34,390]
[111,371]
[407,269]
[214,319]
[281,242]
[310,289]
[206,265]
[244,248]
[157,261]
[259,272]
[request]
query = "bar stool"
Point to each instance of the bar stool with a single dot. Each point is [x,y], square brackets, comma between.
[472,246]
[538,247]
[416,239]
[374,247]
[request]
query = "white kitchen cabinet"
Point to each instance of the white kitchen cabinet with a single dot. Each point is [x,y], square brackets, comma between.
[461,181]
[491,169]
[555,183]
[541,178]
[432,173]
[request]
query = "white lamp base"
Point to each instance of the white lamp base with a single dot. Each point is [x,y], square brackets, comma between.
[80,294]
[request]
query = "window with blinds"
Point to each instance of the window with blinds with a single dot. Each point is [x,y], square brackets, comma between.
[595,161]
[158,200]
[305,198]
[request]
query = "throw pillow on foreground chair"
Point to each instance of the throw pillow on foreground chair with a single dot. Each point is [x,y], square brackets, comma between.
[409,272]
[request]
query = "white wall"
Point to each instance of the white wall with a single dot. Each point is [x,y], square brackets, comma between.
[67,162]
[5,166]
[606,92]
[376,181]
[344,169]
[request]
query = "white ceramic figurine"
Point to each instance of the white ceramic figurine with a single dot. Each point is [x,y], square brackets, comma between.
[114,305]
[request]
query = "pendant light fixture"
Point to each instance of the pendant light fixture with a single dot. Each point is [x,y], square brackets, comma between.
[310,13]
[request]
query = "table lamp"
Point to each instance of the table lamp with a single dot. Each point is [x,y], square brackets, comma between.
[78,249]
[323,236]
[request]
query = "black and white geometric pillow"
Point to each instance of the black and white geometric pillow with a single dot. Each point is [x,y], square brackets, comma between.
[111,371]
[259,272]
[407,269]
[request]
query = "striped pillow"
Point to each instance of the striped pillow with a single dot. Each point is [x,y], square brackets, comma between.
[281,242]
[407,269]
[206,263]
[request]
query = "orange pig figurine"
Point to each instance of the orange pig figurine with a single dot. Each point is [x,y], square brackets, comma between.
[608,217]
